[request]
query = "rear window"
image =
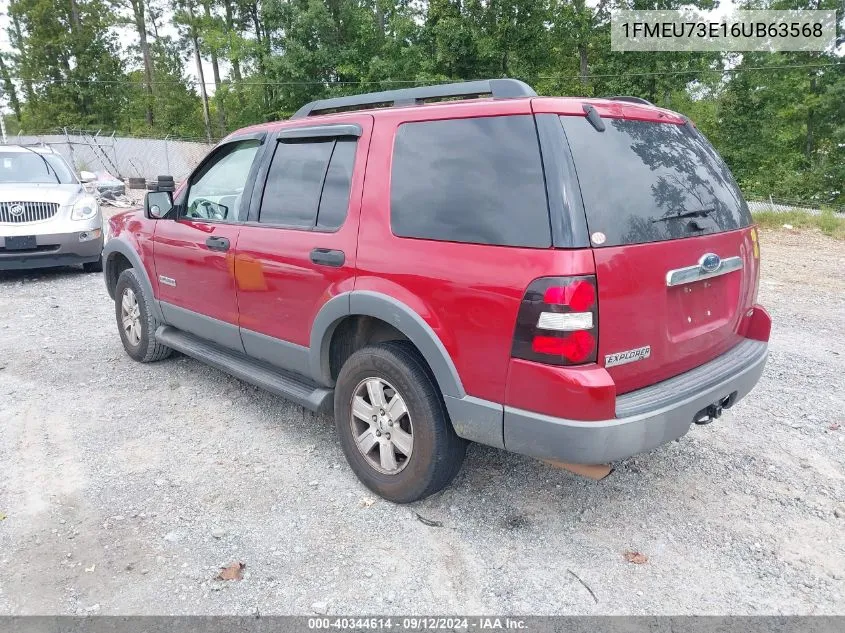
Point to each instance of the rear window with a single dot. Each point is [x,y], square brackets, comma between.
[638,177]
[477,180]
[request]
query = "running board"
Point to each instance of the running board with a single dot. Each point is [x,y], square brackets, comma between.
[276,381]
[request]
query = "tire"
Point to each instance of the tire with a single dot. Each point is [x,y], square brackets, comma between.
[137,183]
[165,179]
[93,267]
[152,185]
[146,349]
[436,452]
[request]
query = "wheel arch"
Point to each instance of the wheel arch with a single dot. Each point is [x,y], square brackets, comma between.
[395,314]
[116,253]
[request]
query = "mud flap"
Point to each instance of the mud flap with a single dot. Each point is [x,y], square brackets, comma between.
[596,472]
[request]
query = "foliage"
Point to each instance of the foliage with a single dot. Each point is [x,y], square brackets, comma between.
[827,222]
[782,130]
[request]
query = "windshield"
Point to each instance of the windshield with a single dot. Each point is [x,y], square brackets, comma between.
[647,182]
[30,167]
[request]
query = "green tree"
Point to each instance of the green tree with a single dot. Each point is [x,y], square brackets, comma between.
[68,62]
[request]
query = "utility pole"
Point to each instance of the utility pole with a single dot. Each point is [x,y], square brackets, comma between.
[2,120]
[205,114]
[200,75]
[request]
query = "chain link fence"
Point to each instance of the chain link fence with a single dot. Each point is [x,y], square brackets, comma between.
[776,205]
[125,167]
[121,156]
[126,158]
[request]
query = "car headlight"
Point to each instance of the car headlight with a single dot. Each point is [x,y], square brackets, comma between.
[85,208]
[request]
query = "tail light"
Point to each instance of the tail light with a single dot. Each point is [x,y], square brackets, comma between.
[558,321]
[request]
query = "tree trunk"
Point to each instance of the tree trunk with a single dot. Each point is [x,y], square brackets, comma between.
[10,90]
[74,16]
[380,19]
[230,28]
[809,146]
[583,68]
[200,75]
[141,28]
[260,36]
[154,18]
[26,79]
[215,70]
[582,11]
[253,10]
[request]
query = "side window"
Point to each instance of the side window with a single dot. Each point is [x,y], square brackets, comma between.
[215,192]
[477,180]
[334,202]
[308,184]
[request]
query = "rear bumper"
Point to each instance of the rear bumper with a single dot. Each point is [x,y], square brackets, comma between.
[645,419]
[62,249]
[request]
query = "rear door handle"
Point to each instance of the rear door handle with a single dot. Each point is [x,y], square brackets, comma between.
[328,257]
[217,243]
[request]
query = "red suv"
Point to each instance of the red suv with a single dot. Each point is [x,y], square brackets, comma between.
[572,279]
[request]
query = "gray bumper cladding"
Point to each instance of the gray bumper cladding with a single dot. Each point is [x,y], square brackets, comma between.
[63,249]
[645,418]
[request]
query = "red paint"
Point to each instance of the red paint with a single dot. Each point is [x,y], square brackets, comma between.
[133,227]
[606,109]
[280,290]
[574,393]
[636,308]
[205,279]
[757,324]
[469,294]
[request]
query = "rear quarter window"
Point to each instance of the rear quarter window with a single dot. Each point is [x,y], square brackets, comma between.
[476,180]
[638,177]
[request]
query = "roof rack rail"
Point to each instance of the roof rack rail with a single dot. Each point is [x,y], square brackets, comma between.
[629,99]
[497,88]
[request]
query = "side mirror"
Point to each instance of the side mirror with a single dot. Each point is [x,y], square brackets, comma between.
[87,176]
[158,204]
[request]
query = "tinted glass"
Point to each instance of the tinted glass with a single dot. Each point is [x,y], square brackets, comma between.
[636,177]
[292,192]
[334,202]
[470,180]
[216,191]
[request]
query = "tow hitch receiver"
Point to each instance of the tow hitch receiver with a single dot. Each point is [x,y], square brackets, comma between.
[714,411]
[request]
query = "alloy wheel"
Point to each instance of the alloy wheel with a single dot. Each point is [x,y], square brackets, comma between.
[381,426]
[130,316]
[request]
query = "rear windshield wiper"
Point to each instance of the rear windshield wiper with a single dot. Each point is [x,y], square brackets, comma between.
[698,213]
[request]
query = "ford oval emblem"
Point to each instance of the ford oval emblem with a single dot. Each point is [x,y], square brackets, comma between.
[709,263]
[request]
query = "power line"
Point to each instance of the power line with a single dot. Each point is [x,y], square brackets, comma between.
[141,82]
[709,70]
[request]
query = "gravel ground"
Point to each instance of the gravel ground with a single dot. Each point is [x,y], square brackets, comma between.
[125,487]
